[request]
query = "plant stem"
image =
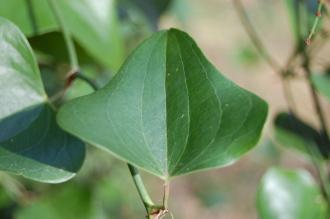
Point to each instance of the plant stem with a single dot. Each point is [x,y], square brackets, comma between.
[315,157]
[288,96]
[323,183]
[286,89]
[308,75]
[32,16]
[317,45]
[66,35]
[166,194]
[147,202]
[316,99]
[316,21]
[253,35]
[87,80]
[244,18]
[318,109]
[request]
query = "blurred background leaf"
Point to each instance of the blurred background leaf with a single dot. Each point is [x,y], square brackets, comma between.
[322,83]
[293,132]
[94,24]
[18,11]
[290,194]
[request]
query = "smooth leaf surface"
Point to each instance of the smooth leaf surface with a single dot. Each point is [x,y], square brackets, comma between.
[168,111]
[20,77]
[17,11]
[42,151]
[322,83]
[289,194]
[31,143]
[94,25]
[290,131]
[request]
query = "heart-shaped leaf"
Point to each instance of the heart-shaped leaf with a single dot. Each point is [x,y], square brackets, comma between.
[168,111]
[292,132]
[290,194]
[31,143]
[322,83]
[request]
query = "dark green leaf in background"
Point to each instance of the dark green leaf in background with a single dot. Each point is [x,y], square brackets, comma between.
[42,151]
[51,47]
[31,143]
[168,111]
[292,132]
[289,194]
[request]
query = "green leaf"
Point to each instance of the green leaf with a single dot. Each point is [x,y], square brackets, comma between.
[290,131]
[52,48]
[94,25]
[168,111]
[31,143]
[42,151]
[322,83]
[18,12]
[289,194]
[20,77]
